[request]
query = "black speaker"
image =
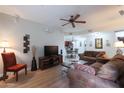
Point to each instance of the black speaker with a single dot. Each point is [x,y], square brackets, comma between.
[61,51]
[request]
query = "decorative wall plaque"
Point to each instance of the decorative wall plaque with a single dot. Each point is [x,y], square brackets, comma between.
[26,43]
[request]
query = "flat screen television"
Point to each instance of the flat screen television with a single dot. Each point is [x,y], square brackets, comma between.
[50,50]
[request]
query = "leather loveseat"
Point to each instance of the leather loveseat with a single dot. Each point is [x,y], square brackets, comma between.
[91,56]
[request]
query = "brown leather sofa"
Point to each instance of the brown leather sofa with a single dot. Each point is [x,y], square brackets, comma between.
[91,56]
[108,79]
[80,79]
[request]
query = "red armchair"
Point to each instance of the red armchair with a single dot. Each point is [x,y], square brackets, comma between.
[10,65]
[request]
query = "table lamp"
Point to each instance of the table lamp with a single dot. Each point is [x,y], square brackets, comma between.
[4,44]
[118,45]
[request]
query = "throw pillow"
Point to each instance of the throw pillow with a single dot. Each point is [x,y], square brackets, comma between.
[108,71]
[101,54]
[85,68]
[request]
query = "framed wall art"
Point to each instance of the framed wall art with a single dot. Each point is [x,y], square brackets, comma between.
[26,43]
[85,43]
[108,43]
[98,43]
[90,44]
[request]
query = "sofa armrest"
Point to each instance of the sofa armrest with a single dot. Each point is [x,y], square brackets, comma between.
[102,60]
[81,55]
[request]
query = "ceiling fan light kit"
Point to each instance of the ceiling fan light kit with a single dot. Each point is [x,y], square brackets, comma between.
[73,20]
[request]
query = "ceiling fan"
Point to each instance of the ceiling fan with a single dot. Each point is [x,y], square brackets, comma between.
[72,20]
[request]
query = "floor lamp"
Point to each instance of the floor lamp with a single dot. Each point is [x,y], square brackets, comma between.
[119,45]
[4,44]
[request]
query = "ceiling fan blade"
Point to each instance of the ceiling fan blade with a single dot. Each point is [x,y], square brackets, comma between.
[77,16]
[64,19]
[80,21]
[65,24]
[73,25]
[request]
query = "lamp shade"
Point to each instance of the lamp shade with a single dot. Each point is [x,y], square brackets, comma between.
[4,44]
[119,44]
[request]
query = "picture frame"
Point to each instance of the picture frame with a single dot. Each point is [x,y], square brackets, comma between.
[108,43]
[80,44]
[98,43]
[26,43]
[85,43]
[90,44]
[25,51]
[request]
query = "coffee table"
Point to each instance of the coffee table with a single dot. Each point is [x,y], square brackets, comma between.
[70,64]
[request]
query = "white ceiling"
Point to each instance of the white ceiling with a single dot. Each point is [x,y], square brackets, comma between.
[98,17]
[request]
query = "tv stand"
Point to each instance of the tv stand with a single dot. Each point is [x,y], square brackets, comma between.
[49,61]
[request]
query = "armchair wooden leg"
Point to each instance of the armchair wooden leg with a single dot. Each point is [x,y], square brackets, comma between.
[14,73]
[16,76]
[26,70]
[4,75]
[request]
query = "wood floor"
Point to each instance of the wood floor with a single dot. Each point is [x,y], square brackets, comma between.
[49,78]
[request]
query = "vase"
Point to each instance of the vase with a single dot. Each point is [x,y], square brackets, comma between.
[61,52]
[34,64]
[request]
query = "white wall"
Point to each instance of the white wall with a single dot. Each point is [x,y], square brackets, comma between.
[90,39]
[13,32]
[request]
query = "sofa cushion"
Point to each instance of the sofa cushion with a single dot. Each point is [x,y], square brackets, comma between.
[88,53]
[96,66]
[118,61]
[108,71]
[89,58]
[113,69]
[95,53]
[85,68]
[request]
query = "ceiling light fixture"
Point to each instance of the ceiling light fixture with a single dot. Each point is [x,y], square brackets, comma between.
[118,45]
